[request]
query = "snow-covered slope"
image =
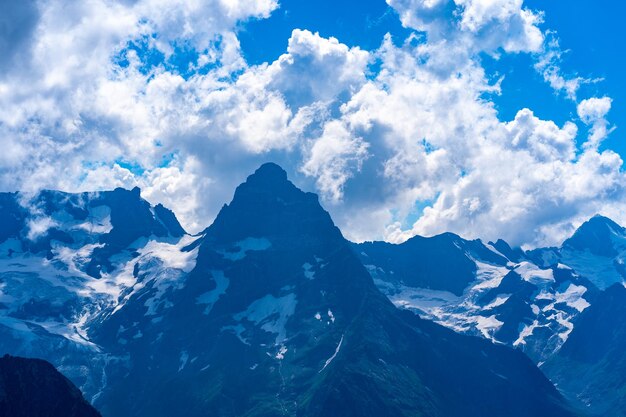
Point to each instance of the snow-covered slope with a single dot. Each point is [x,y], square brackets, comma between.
[528,300]
[66,258]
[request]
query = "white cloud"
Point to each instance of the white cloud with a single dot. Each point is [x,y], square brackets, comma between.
[411,145]
[334,158]
[593,112]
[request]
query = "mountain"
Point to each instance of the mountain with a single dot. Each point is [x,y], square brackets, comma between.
[33,387]
[277,316]
[597,251]
[66,257]
[422,262]
[591,365]
[489,290]
[563,306]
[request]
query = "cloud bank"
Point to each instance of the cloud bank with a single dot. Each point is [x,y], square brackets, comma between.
[401,140]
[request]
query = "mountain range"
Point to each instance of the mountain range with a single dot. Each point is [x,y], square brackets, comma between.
[270,311]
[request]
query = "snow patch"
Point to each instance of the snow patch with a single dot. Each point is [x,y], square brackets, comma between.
[500,299]
[39,226]
[281,352]
[533,274]
[209,298]
[271,313]
[573,297]
[309,273]
[488,326]
[329,360]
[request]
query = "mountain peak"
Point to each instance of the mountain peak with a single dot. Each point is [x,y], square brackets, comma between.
[269,172]
[596,235]
[267,203]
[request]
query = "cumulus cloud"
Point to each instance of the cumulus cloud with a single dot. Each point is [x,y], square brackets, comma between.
[593,112]
[400,140]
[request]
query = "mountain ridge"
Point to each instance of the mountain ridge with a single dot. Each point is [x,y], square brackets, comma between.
[276,294]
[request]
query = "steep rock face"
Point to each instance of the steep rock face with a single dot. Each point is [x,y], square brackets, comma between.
[279,317]
[591,365]
[32,387]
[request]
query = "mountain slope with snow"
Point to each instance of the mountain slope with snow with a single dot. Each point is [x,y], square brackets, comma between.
[559,305]
[267,312]
[591,365]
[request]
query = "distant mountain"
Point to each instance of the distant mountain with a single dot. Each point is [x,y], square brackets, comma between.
[591,365]
[563,306]
[34,388]
[482,289]
[597,251]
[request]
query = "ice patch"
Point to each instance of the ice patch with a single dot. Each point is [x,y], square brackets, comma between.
[422,299]
[489,276]
[329,360]
[237,331]
[500,299]
[488,326]
[307,268]
[598,269]
[210,297]
[9,247]
[531,273]
[245,246]
[318,316]
[98,221]
[271,313]
[281,352]
[331,316]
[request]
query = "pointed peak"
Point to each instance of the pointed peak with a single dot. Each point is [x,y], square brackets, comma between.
[270,171]
[267,203]
[599,219]
[271,180]
[599,223]
[595,235]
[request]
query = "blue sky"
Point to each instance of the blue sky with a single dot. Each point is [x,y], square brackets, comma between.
[488,118]
[592,34]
